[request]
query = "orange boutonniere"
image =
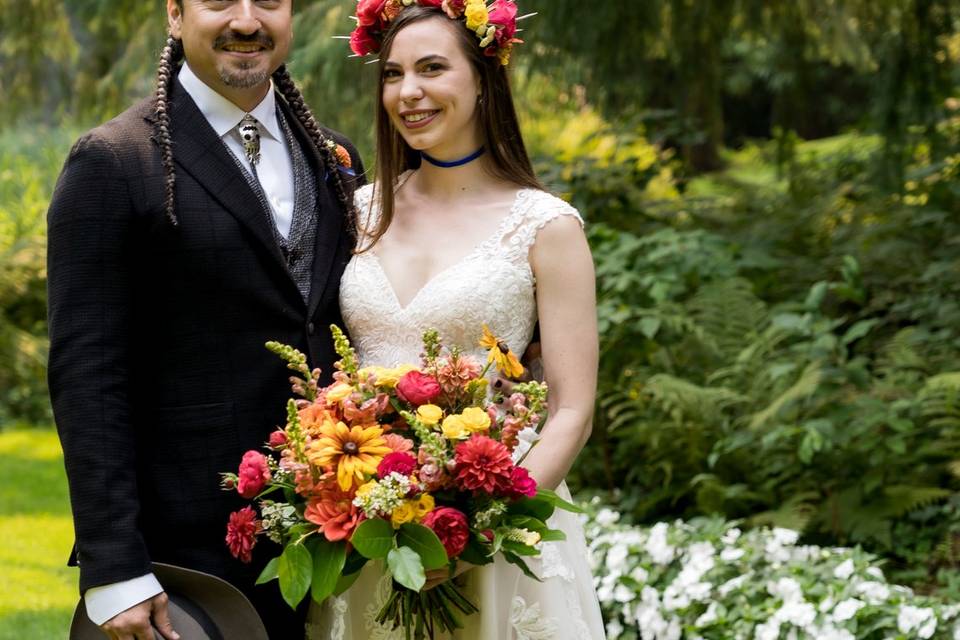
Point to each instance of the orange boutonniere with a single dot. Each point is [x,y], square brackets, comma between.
[343,156]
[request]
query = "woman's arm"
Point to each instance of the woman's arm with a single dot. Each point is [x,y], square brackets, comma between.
[567,309]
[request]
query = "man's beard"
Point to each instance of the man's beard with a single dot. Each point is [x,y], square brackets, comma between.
[242,78]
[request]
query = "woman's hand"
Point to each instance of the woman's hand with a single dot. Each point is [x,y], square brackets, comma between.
[436,577]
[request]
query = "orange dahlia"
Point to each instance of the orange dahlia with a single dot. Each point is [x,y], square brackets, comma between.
[336,514]
[353,451]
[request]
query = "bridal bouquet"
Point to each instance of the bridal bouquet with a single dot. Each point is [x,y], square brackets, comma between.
[413,466]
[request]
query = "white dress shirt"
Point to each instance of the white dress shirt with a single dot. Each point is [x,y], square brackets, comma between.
[275,171]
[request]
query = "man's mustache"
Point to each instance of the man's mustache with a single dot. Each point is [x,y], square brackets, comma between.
[232,37]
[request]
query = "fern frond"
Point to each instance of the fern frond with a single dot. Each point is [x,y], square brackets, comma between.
[684,401]
[730,314]
[805,386]
[940,400]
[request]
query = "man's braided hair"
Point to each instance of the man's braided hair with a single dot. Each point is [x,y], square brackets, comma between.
[169,59]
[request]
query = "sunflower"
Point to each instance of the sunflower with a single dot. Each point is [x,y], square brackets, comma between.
[500,355]
[353,451]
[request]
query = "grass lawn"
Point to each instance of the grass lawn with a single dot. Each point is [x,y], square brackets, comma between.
[37,590]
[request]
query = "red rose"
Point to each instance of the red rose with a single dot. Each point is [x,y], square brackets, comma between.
[242,533]
[483,464]
[451,527]
[362,42]
[399,462]
[418,388]
[523,484]
[254,474]
[368,12]
[503,14]
[430,3]
[278,439]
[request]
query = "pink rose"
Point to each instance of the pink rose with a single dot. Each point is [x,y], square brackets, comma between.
[397,462]
[254,474]
[418,388]
[450,525]
[523,484]
[278,439]
[504,16]
[430,3]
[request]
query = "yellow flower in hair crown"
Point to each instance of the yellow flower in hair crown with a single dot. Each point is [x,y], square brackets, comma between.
[494,23]
[500,355]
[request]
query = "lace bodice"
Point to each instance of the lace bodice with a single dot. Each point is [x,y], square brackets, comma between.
[491,284]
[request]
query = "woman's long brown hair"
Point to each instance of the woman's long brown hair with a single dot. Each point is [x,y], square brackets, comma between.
[500,130]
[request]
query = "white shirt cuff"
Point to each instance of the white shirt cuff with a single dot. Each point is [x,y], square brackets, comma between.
[107,601]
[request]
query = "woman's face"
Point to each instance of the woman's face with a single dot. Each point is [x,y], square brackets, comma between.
[430,89]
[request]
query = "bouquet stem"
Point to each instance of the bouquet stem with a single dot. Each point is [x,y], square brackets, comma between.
[425,614]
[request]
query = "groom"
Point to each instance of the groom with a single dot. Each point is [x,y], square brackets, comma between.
[183,235]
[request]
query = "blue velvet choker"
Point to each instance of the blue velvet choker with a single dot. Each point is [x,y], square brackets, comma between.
[453,163]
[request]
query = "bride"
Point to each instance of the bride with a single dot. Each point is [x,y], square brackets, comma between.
[455,232]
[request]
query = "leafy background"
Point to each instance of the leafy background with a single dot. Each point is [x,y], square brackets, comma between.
[774,206]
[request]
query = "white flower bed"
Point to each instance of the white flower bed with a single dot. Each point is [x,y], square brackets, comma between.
[705,580]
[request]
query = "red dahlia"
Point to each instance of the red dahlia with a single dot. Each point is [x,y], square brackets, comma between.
[483,464]
[242,533]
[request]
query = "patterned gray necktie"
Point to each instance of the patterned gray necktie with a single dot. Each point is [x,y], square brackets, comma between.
[250,135]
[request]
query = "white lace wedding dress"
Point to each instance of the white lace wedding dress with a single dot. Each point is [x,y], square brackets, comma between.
[493,284]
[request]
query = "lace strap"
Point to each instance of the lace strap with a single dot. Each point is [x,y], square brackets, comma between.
[367,215]
[535,210]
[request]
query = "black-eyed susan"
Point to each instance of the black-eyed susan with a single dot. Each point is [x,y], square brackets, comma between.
[500,355]
[353,451]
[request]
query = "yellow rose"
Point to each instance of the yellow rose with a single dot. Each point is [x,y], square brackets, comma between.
[476,13]
[475,420]
[454,428]
[406,512]
[365,488]
[429,414]
[338,392]
[424,506]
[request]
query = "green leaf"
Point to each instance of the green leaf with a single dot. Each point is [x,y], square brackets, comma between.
[406,568]
[650,326]
[425,543]
[373,538]
[328,560]
[520,548]
[475,553]
[859,330]
[269,572]
[538,507]
[345,582]
[557,501]
[295,571]
[552,535]
[514,559]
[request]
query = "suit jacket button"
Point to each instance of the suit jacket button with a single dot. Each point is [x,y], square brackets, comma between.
[311,329]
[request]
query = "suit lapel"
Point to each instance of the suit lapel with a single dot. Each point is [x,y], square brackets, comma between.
[199,151]
[329,216]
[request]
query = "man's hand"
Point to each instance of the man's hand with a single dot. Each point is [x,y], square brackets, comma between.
[134,623]
[436,577]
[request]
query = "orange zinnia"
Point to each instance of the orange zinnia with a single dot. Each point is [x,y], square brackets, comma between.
[500,355]
[353,451]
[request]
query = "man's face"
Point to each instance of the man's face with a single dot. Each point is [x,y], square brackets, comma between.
[233,45]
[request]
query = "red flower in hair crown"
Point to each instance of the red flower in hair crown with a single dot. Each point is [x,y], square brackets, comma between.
[494,23]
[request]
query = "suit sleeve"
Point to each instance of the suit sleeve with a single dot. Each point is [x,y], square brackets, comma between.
[89,290]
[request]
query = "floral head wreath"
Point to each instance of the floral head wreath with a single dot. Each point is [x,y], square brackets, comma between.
[495,25]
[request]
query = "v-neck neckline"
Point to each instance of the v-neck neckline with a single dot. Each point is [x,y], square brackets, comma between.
[497,235]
